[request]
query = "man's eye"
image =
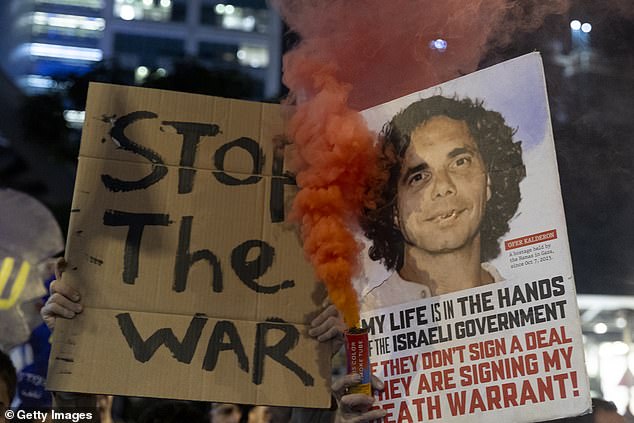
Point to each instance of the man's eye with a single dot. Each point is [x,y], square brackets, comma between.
[418,179]
[462,161]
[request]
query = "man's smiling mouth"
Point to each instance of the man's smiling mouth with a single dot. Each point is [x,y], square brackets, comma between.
[446,216]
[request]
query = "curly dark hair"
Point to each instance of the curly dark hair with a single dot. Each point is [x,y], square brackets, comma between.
[502,158]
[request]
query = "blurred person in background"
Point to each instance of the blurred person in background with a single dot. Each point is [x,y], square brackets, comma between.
[31,237]
[605,412]
[8,382]
[225,413]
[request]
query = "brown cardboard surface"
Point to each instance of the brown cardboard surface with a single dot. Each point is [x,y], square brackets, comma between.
[78,352]
[250,274]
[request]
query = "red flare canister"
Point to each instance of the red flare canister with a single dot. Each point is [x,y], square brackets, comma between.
[358,354]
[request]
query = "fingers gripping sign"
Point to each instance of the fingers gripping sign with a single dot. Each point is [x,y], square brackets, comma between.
[64,300]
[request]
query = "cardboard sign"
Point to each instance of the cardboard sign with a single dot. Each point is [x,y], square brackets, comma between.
[507,346]
[192,284]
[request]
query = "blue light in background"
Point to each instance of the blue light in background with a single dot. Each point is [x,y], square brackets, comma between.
[438,44]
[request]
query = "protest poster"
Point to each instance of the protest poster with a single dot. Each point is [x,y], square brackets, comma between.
[507,347]
[193,285]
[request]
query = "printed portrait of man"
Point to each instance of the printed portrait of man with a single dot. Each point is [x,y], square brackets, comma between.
[454,173]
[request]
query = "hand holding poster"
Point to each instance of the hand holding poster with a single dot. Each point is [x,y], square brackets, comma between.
[474,316]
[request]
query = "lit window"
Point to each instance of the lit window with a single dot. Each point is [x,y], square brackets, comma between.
[38,81]
[233,17]
[65,52]
[253,56]
[141,74]
[148,10]
[249,23]
[600,328]
[127,12]
[142,71]
[68,21]
[74,118]
[235,21]
[95,4]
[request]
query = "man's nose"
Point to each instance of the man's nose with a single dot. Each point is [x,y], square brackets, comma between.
[443,185]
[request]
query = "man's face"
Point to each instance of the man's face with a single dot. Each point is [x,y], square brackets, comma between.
[443,187]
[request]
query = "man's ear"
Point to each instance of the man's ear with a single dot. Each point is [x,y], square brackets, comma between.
[488,188]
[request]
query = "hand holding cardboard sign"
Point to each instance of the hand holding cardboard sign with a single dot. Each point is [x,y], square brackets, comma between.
[64,300]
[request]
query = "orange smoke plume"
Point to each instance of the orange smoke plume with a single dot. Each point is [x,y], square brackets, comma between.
[382,48]
[335,164]
[357,54]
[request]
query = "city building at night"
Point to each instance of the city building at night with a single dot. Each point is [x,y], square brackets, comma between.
[51,39]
